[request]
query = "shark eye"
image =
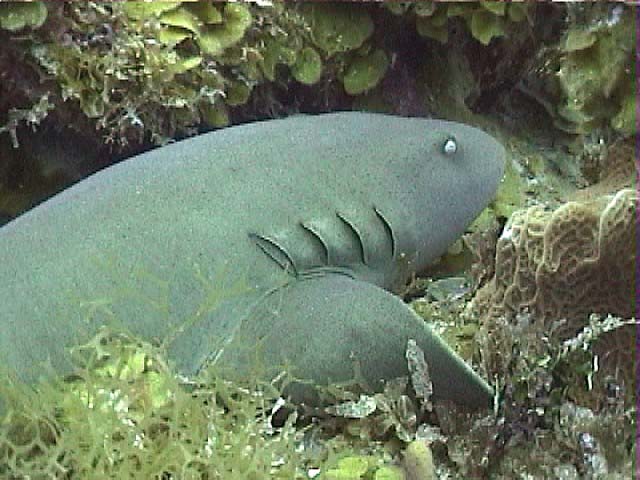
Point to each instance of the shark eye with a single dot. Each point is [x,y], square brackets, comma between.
[450,146]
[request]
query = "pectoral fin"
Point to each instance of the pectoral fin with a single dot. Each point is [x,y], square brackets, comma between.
[321,326]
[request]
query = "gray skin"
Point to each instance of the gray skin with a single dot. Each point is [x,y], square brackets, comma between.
[279,239]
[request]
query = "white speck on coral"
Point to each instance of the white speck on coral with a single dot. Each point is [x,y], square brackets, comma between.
[616,15]
[209,446]
[138,441]
[507,233]
[313,472]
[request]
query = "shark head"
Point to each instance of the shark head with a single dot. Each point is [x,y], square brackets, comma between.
[435,177]
[454,170]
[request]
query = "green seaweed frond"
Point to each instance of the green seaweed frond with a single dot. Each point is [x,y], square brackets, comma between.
[124,414]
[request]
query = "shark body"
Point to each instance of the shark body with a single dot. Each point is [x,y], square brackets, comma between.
[286,237]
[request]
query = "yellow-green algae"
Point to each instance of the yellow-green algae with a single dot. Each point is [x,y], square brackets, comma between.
[338,28]
[203,60]
[155,61]
[362,468]
[485,19]
[364,73]
[308,66]
[15,16]
[596,70]
[156,70]
[125,414]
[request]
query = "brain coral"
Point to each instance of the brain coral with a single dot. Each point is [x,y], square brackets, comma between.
[570,262]
[559,266]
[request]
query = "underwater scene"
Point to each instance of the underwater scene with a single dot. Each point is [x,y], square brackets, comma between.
[318,240]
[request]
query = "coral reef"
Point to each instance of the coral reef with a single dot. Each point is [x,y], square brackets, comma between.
[144,73]
[551,320]
[557,267]
[543,257]
[571,441]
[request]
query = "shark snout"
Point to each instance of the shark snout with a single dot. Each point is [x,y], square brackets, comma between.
[487,166]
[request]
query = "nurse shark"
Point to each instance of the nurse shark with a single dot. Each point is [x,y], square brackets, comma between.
[284,239]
